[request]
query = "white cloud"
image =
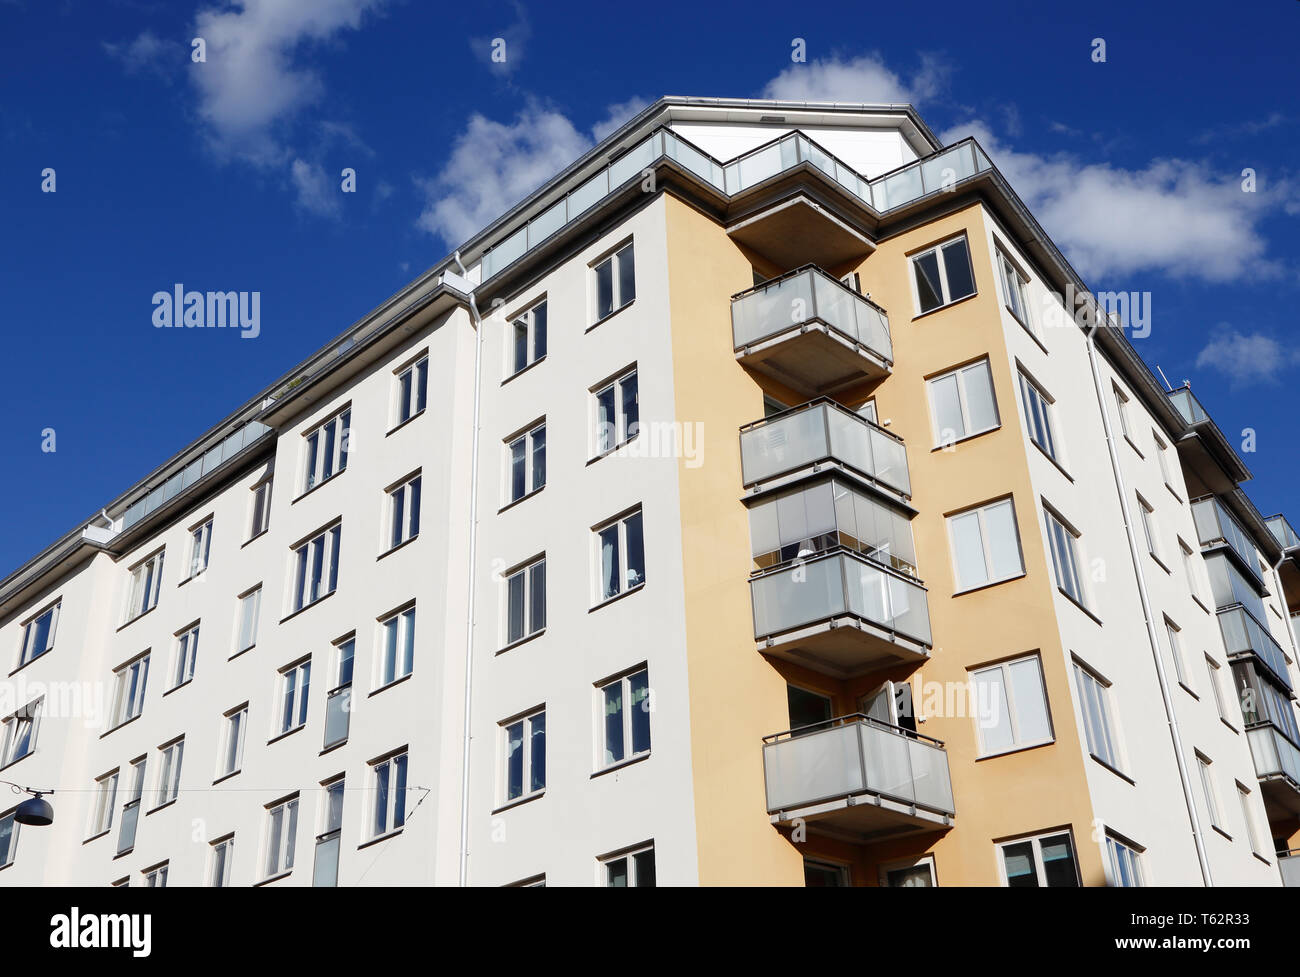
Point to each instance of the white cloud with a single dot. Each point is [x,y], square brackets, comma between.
[1247,358]
[616,115]
[865,78]
[315,192]
[149,53]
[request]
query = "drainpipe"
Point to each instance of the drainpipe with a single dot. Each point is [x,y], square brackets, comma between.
[1152,637]
[473,581]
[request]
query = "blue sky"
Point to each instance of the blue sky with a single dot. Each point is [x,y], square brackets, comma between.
[226,174]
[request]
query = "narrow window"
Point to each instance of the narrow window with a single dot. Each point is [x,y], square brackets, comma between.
[615,282]
[524,742]
[620,556]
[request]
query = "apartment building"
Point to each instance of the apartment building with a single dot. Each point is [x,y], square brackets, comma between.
[743,507]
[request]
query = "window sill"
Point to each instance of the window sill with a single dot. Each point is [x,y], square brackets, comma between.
[1160,563]
[242,651]
[965,437]
[306,607]
[1201,604]
[1027,328]
[123,854]
[520,372]
[1188,689]
[617,597]
[620,765]
[990,583]
[288,732]
[1133,445]
[319,485]
[1173,492]
[99,834]
[1015,749]
[1057,464]
[136,618]
[1221,831]
[333,746]
[192,576]
[401,424]
[1262,858]
[1235,730]
[523,498]
[226,776]
[124,722]
[521,641]
[948,305]
[614,450]
[31,660]
[1077,603]
[274,878]
[519,801]
[378,838]
[255,536]
[177,688]
[1113,769]
[609,315]
[394,549]
[161,807]
[389,685]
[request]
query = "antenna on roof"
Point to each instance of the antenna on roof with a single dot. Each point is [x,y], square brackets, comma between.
[1168,386]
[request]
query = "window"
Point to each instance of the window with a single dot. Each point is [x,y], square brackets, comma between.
[526,461]
[985,545]
[146,582]
[223,854]
[281,833]
[818,874]
[1216,686]
[525,755]
[187,650]
[1189,570]
[1176,652]
[1211,795]
[631,869]
[397,647]
[1064,544]
[624,717]
[234,726]
[8,837]
[1121,411]
[38,634]
[615,282]
[918,874]
[1094,703]
[1012,706]
[101,813]
[200,547]
[156,877]
[325,870]
[250,608]
[327,450]
[1243,796]
[131,808]
[20,733]
[389,779]
[338,701]
[620,556]
[1015,287]
[128,692]
[169,778]
[412,389]
[316,567]
[1045,861]
[1038,416]
[962,403]
[404,512]
[526,601]
[943,274]
[1123,862]
[528,338]
[261,519]
[617,412]
[1148,515]
[1162,456]
[295,681]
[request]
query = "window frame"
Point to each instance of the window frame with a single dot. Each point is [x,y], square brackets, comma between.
[336,429]
[627,730]
[528,438]
[1013,714]
[615,259]
[219,866]
[1043,406]
[980,511]
[1052,520]
[1252,830]
[402,502]
[392,798]
[31,629]
[1015,282]
[402,621]
[331,829]
[184,655]
[280,841]
[253,594]
[1210,792]
[1182,670]
[945,289]
[101,811]
[620,524]
[1150,529]
[27,717]
[259,517]
[234,734]
[624,430]
[411,399]
[302,565]
[152,568]
[1115,846]
[528,786]
[123,698]
[1036,840]
[1099,723]
[530,614]
[292,700]
[528,320]
[200,536]
[10,851]
[963,402]
[171,758]
[628,855]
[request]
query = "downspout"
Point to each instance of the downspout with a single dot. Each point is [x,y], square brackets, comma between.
[473,581]
[1152,637]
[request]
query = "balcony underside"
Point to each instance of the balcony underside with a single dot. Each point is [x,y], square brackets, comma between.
[813,359]
[865,817]
[844,647]
[1281,796]
[798,231]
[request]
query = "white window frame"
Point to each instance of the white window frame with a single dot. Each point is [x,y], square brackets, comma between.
[146,585]
[400,625]
[1037,840]
[411,389]
[1210,791]
[626,709]
[171,758]
[945,289]
[403,505]
[302,560]
[526,323]
[1038,404]
[234,731]
[396,769]
[963,403]
[127,706]
[101,812]
[1015,283]
[249,617]
[1189,569]
[331,828]
[21,726]
[185,655]
[1119,850]
[615,260]
[527,722]
[980,512]
[259,518]
[11,850]
[1150,528]
[1252,833]
[603,864]
[1070,559]
[281,837]
[1101,737]
[27,651]
[622,430]
[530,613]
[155,877]
[221,855]
[1121,409]
[623,585]
[1181,669]
[333,434]
[925,861]
[1221,702]
[293,690]
[200,548]
[1013,714]
[527,442]
[1162,456]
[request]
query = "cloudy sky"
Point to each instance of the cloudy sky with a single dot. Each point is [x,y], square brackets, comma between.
[226,174]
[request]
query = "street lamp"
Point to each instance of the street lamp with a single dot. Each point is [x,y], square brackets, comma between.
[35,810]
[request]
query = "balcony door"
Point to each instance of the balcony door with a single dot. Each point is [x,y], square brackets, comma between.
[809,711]
[891,704]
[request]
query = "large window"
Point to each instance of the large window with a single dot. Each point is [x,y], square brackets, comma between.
[169,777]
[187,652]
[620,556]
[617,412]
[1098,727]
[295,683]
[1012,705]
[630,869]
[624,722]
[1038,416]
[234,727]
[325,871]
[1045,861]
[200,547]
[396,647]
[527,338]
[962,403]
[281,834]
[316,567]
[524,743]
[326,450]
[1064,543]
[943,274]
[525,601]
[128,689]
[985,545]
[526,461]
[250,609]
[20,731]
[146,582]
[388,778]
[615,282]
[1124,863]
[404,512]
[38,634]
[101,812]
[412,389]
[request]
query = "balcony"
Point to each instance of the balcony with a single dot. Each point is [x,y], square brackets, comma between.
[1282,532]
[803,440]
[1243,635]
[1217,527]
[1289,865]
[840,613]
[859,777]
[810,332]
[1277,765]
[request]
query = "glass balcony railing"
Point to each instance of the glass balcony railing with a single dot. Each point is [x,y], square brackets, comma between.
[204,465]
[856,755]
[1216,525]
[1289,864]
[1282,532]
[807,295]
[1243,634]
[939,171]
[1274,754]
[338,710]
[835,585]
[1188,405]
[823,431]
